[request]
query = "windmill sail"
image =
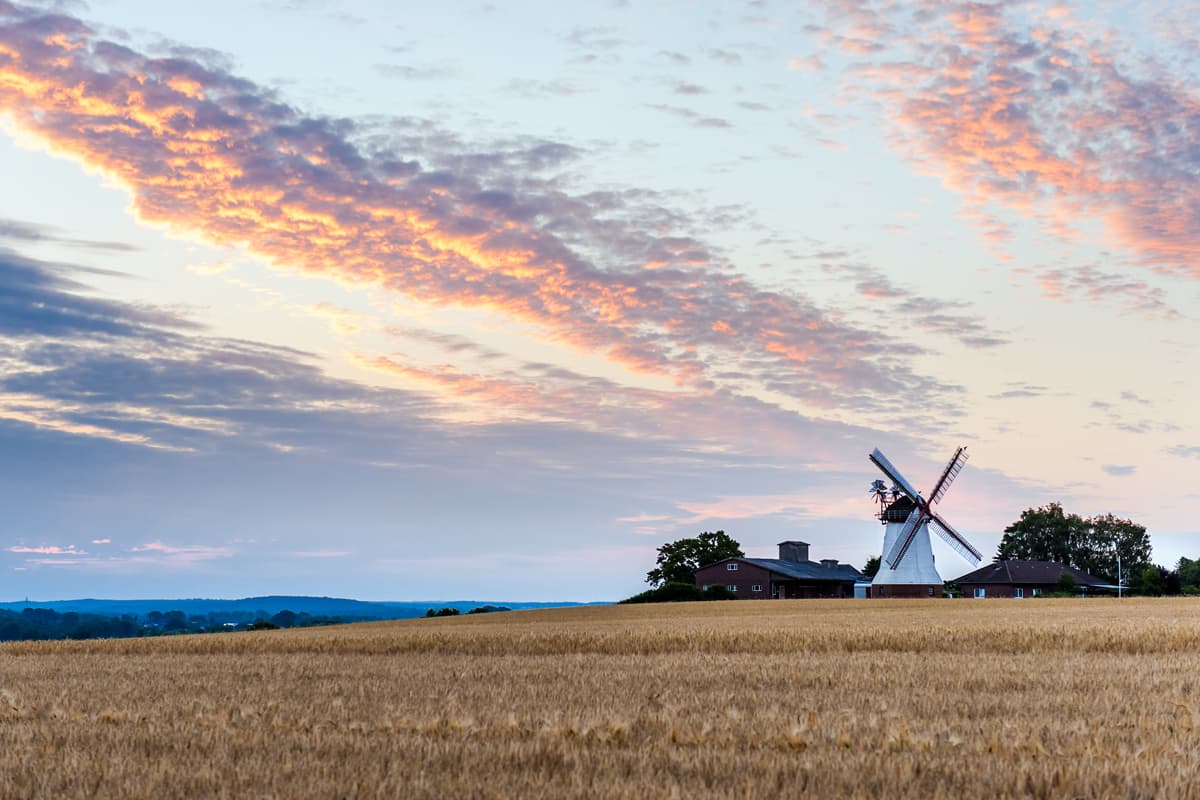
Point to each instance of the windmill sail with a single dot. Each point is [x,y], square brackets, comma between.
[949,474]
[899,543]
[955,540]
[911,525]
[885,466]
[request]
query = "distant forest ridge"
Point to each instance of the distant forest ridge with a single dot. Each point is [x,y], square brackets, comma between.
[316,606]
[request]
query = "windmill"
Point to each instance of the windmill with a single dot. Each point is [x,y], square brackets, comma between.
[908,569]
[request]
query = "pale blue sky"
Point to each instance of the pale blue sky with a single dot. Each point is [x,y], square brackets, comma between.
[635,271]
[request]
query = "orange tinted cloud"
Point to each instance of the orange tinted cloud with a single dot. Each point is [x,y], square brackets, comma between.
[711,421]
[204,151]
[1025,110]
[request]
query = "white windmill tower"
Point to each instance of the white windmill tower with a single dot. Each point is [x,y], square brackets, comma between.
[907,568]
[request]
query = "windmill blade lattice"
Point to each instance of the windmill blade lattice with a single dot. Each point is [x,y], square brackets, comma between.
[955,540]
[948,475]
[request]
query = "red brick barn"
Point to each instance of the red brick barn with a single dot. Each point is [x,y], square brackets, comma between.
[791,575]
[1027,579]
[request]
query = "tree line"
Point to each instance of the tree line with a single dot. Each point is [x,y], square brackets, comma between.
[48,624]
[1106,546]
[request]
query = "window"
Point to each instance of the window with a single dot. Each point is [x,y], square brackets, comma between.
[1018,592]
[980,592]
[731,566]
[756,587]
[732,587]
[931,591]
[1037,592]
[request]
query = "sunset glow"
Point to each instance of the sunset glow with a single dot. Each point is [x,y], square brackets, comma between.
[559,292]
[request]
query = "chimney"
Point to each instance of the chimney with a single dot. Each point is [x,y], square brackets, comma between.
[829,563]
[793,551]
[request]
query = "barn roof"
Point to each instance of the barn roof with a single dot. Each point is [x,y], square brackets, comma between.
[1044,572]
[807,570]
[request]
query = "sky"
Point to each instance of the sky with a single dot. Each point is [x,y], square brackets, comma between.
[490,300]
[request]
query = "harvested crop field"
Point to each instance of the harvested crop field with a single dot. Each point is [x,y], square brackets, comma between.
[1042,698]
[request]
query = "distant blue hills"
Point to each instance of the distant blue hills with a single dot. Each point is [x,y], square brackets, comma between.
[272,604]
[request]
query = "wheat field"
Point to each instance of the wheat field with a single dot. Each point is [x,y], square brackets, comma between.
[930,699]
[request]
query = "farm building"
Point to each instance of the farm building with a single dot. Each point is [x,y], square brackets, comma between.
[790,576]
[1027,579]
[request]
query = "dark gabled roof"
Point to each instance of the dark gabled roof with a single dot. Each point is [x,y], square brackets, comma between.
[1044,572]
[806,570]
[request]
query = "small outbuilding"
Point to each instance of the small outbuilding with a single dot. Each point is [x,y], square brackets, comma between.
[791,576]
[1028,579]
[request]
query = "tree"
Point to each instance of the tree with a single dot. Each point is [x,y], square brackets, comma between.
[1189,575]
[1170,582]
[1092,545]
[1043,534]
[1066,583]
[1108,536]
[871,567]
[285,618]
[1148,581]
[679,560]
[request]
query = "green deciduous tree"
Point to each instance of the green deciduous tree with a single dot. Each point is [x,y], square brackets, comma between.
[1189,575]
[871,567]
[1043,534]
[1148,581]
[679,560]
[1092,544]
[1109,535]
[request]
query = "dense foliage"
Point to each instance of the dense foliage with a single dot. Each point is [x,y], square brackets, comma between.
[1187,572]
[678,592]
[679,560]
[45,623]
[42,623]
[1092,544]
[871,568]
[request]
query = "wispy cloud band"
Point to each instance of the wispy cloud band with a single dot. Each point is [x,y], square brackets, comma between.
[411,209]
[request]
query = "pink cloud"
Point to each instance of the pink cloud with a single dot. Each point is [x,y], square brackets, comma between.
[156,554]
[178,554]
[1097,286]
[809,63]
[531,393]
[1030,113]
[609,272]
[69,550]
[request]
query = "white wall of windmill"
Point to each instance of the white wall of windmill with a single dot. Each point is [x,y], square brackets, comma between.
[917,566]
